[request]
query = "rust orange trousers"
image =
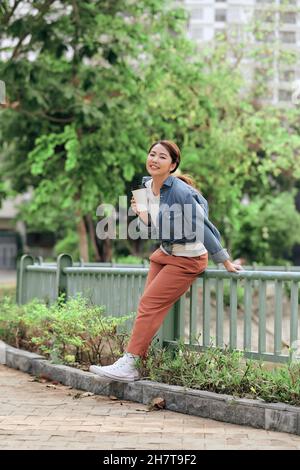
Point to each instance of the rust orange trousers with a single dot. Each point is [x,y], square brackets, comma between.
[168,278]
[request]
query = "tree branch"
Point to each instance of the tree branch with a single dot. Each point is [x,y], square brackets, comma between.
[42,12]
[10,14]
[45,116]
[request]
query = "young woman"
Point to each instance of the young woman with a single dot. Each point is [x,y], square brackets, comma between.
[181,257]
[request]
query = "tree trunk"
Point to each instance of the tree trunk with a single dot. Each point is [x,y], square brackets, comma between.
[107,250]
[92,234]
[83,240]
[135,247]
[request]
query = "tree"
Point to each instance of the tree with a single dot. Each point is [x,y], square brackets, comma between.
[74,73]
[92,84]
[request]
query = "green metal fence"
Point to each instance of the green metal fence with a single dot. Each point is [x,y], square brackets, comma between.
[255,311]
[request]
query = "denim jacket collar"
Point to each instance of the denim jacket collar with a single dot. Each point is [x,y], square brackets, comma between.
[168,182]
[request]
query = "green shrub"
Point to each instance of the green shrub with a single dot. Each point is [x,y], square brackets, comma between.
[69,245]
[266,229]
[7,291]
[74,331]
[222,371]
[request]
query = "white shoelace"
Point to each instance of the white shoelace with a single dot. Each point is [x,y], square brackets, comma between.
[120,362]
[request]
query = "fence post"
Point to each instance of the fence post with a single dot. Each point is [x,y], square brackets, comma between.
[172,328]
[26,260]
[18,280]
[166,331]
[63,261]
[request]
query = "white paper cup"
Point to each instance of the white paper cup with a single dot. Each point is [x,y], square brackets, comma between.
[140,196]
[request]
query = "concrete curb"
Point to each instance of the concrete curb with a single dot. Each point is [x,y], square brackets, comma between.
[255,413]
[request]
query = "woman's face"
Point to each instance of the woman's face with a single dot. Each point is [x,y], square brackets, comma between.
[159,161]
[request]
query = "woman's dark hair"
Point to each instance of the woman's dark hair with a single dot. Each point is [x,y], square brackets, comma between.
[175,155]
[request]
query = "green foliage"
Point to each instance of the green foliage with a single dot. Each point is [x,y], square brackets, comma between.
[75,125]
[223,371]
[7,291]
[104,80]
[266,229]
[69,244]
[73,331]
[130,259]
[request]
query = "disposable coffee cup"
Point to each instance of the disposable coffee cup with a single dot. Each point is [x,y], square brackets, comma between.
[140,196]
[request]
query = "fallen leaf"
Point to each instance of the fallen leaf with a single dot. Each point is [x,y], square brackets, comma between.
[43,379]
[82,395]
[112,397]
[77,395]
[87,394]
[157,403]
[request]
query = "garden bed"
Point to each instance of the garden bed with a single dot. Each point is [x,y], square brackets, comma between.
[63,339]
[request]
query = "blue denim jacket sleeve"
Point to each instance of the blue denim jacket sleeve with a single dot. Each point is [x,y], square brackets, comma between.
[212,235]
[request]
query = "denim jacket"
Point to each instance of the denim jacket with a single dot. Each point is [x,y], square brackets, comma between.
[175,192]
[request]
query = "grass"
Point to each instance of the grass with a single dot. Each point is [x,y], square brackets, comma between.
[7,290]
[223,371]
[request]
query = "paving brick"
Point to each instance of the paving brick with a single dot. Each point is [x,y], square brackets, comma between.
[34,416]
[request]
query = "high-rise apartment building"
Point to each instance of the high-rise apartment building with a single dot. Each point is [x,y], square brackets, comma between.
[278,36]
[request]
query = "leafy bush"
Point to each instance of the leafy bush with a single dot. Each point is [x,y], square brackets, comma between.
[263,231]
[69,245]
[7,291]
[222,371]
[74,331]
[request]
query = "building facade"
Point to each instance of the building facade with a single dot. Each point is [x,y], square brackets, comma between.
[277,36]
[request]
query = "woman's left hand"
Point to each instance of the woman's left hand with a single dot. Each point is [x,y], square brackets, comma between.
[232,267]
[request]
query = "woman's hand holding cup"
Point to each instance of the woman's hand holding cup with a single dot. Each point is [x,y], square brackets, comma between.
[139,204]
[134,206]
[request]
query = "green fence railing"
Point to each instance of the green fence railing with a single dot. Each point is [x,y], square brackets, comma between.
[255,311]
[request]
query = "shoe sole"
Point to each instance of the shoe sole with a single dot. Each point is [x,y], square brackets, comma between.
[111,377]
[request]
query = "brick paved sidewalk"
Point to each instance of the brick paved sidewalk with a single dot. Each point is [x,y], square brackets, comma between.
[36,415]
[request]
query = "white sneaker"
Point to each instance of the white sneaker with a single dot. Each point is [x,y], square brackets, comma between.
[123,370]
